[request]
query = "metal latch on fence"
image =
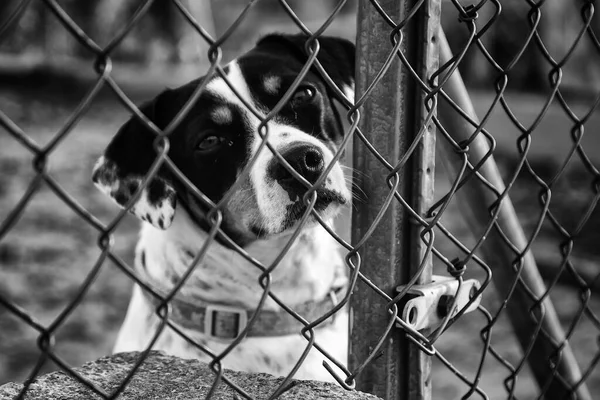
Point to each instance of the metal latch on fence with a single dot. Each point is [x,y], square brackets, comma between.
[430,304]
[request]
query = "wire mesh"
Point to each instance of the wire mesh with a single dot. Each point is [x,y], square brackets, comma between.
[470,361]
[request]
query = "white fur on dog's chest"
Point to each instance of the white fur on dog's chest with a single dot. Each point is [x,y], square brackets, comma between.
[276,355]
[306,273]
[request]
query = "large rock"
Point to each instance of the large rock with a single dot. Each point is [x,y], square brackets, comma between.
[166,377]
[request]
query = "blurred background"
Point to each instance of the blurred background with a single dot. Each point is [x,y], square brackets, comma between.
[45,73]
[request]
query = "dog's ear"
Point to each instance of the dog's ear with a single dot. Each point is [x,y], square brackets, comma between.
[126,161]
[336,55]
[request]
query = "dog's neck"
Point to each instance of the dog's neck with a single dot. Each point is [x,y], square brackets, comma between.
[309,271]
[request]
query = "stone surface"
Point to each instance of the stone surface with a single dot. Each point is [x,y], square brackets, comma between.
[166,377]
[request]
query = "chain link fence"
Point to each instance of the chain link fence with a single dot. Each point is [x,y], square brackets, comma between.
[515,313]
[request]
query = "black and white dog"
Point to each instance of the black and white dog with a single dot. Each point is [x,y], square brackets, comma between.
[211,147]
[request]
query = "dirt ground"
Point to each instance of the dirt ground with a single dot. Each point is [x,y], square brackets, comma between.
[46,256]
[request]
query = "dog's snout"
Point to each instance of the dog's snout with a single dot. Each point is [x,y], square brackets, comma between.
[307,160]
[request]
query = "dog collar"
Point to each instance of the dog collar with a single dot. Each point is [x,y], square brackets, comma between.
[225,323]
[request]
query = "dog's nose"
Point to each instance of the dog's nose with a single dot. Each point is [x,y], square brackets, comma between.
[306,159]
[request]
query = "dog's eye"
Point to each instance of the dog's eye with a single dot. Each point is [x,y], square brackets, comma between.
[303,94]
[210,143]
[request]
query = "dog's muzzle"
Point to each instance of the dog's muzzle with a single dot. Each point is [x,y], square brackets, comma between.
[307,160]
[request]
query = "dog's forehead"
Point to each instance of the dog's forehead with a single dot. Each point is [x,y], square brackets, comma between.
[253,77]
[264,69]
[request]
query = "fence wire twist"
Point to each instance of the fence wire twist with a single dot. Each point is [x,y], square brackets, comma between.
[464,169]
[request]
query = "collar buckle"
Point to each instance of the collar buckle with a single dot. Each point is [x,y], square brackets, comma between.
[224,323]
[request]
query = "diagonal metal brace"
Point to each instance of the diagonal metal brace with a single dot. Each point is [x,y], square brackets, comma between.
[429,304]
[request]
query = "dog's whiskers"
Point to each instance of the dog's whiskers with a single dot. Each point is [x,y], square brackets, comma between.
[356,192]
[353,170]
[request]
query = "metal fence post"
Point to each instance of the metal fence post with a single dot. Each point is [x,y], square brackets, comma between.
[391,117]
[550,356]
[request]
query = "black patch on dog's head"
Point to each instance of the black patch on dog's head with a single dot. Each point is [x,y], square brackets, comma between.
[336,55]
[131,153]
[281,57]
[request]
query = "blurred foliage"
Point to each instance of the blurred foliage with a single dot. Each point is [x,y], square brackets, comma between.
[161,34]
[559,25]
[164,35]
